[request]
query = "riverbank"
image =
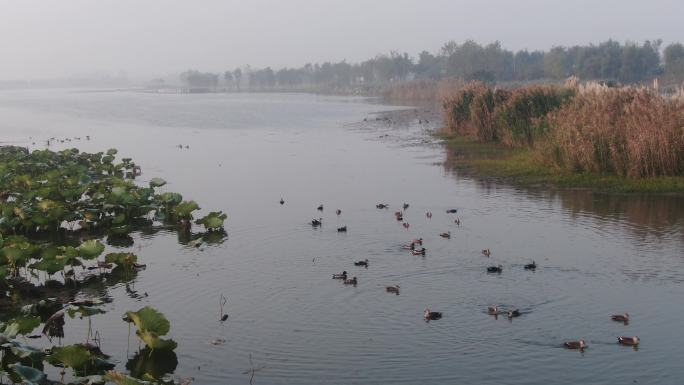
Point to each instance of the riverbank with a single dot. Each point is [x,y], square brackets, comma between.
[522,167]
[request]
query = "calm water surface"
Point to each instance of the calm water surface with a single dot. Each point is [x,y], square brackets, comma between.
[598,254]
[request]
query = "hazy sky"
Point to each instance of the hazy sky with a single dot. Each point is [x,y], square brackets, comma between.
[55,38]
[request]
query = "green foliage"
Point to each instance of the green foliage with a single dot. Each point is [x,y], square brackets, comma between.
[91,249]
[126,260]
[29,374]
[151,325]
[213,221]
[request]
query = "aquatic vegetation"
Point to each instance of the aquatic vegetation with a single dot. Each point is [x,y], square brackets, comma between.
[55,210]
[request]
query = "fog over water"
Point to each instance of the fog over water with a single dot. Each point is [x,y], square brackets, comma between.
[50,39]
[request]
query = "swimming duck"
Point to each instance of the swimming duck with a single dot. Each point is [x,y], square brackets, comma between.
[342,229]
[446,235]
[495,269]
[393,289]
[493,310]
[513,313]
[361,263]
[620,317]
[432,315]
[457,222]
[382,206]
[418,252]
[316,222]
[631,341]
[351,281]
[338,211]
[320,207]
[418,241]
[575,344]
[531,266]
[452,211]
[486,252]
[406,225]
[282,201]
[428,214]
[406,205]
[343,275]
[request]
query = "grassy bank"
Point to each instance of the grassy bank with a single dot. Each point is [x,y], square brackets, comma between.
[522,167]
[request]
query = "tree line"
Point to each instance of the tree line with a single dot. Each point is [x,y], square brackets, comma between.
[609,61]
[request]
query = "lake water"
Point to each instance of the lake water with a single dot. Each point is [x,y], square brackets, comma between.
[597,254]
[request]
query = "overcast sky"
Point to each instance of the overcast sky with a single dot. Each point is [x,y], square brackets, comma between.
[50,38]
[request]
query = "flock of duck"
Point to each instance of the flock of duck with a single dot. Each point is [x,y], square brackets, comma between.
[416,248]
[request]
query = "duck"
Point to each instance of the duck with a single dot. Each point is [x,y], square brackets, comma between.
[581,345]
[405,205]
[351,281]
[342,275]
[452,211]
[316,222]
[320,207]
[418,241]
[631,341]
[362,263]
[428,214]
[342,229]
[418,252]
[338,211]
[406,225]
[381,206]
[400,218]
[513,313]
[486,252]
[493,310]
[620,317]
[495,269]
[282,201]
[531,266]
[446,235]
[457,222]
[431,315]
[392,289]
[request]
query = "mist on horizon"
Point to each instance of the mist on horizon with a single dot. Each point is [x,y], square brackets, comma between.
[142,40]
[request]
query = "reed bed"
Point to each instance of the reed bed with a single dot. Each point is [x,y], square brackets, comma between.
[625,131]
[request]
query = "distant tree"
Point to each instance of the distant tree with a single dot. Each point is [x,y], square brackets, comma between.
[674,61]
[237,74]
[228,78]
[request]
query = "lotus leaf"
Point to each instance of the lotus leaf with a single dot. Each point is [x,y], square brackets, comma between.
[50,266]
[20,325]
[213,221]
[91,249]
[84,311]
[24,351]
[153,341]
[73,356]
[157,182]
[171,199]
[149,320]
[31,375]
[185,209]
[122,379]
[122,259]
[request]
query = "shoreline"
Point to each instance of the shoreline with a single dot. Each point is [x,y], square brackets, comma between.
[519,167]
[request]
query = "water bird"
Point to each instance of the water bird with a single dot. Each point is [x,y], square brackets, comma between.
[338,211]
[630,341]
[316,222]
[224,318]
[531,266]
[486,252]
[342,275]
[446,235]
[418,241]
[428,214]
[399,216]
[495,269]
[320,207]
[381,206]
[342,229]
[452,211]
[406,205]
[352,281]
[493,310]
[457,222]
[431,315]
[581,345]
[282,201]
[421,251]
[513,313]
[406,225]
[392,289]
[620,317]
[361,263]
